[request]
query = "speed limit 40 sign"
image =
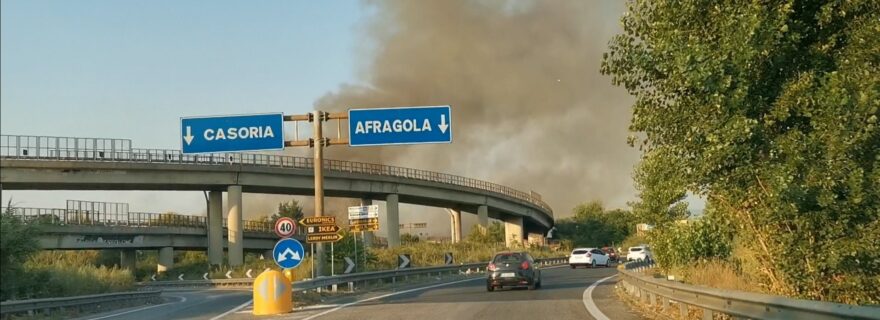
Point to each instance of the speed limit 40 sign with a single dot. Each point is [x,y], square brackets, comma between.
[285,227]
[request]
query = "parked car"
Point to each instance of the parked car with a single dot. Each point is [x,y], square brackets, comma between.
[513,269]
[612,254]
[588,257]
[638,253]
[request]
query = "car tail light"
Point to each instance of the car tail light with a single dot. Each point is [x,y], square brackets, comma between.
[524,265]
[492,267]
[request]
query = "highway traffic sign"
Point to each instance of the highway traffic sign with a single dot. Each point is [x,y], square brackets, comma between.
[313,221]
[363,212]
[349,265]
[403,261]
[232,133]
[285,227]
[288,253]
[364,221]
[408,125]
[323,229]
[363,227]
[323,237]
[448,258]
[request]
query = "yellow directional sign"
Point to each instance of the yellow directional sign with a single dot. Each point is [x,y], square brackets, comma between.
[313,221]
[363,227]
[331,237]
[363,221]
[323,229]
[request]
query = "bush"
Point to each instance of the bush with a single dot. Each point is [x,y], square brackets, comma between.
[16,244]
[677,244]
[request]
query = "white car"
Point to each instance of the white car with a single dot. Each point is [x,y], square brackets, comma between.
[588,257]
[642,252]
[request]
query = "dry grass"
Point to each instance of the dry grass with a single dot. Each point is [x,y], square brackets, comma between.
[720,275]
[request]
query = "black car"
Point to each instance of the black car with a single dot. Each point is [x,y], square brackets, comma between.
[513,269]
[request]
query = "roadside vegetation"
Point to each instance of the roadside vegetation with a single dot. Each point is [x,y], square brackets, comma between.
[770,113]
[594,226]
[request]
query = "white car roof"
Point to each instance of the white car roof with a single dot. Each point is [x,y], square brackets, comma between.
[588,249]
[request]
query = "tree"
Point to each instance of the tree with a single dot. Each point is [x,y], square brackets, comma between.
[17,242]
[593,226]
[493,234]
[770,111]
[290,209]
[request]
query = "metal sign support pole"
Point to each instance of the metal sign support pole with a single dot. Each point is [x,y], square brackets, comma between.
[318,165]
[332,261]
[355,238]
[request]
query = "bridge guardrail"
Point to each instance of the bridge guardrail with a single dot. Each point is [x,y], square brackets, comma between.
[48,305]
[93,149]
[57,216]
[737,304]
[340,279]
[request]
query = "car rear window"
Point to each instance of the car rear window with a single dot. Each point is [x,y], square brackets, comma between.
[508,257]
[636,249]
[579,252]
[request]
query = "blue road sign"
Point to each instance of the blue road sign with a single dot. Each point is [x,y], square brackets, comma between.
[288,253]
[409,125]
[232,133]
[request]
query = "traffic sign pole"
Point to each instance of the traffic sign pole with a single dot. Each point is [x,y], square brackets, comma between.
[319,180]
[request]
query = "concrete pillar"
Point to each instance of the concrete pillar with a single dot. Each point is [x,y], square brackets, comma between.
[513,231]
[536,239]
[455,217]
[483,216]
[128,259]
[166,259]
[234,224]
[215,227]
[392,215]
[368,235]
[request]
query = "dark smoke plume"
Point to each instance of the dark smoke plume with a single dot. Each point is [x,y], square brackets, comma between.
[530,109]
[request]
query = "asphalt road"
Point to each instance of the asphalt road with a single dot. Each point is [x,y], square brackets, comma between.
[196,304]
[561,297]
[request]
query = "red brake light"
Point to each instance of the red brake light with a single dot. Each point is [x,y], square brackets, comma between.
[524,265]
[492,267]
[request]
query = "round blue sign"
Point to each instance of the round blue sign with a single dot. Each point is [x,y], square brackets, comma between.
[288,253]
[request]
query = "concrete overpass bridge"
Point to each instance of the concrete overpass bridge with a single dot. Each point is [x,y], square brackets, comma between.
[59,163]
[66,229]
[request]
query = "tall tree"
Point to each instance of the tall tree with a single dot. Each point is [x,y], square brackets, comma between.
[290,209]
[770,110]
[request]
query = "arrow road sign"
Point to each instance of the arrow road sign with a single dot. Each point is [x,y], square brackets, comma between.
[323,229]
[288,253]
[285,227]
[229,274]
[363,227]
[349,265]
[409,125]
[363,212]
[364,221]
[248,273]
[232,133]
[180,277]
[403,261]
[205,276]
[153,277]
[448,259]
[320,237]
[313,221]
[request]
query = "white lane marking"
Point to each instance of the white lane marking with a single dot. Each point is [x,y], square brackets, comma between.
[182,300]
[588,300]
[390,295]
[402,292]
[234,309]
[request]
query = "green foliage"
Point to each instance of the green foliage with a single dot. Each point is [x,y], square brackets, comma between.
[679,245]
[407,238]
[347,248]
[593,226]
[770,111]
[16,244]
[68,273]
[493,234]
[290,209]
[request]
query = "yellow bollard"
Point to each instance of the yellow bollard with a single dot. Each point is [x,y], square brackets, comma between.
[272,294]
[288,273]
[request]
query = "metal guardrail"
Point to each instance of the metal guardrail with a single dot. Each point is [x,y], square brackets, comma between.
[119,150]
[54,216]
[8,308]
[737,304]
[340,279]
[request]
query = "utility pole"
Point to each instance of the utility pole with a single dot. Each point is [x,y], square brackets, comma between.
[318,142]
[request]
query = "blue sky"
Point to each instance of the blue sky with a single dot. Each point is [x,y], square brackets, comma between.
[130,69]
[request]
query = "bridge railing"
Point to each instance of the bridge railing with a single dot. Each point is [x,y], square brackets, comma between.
[55,216]
[60,148]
